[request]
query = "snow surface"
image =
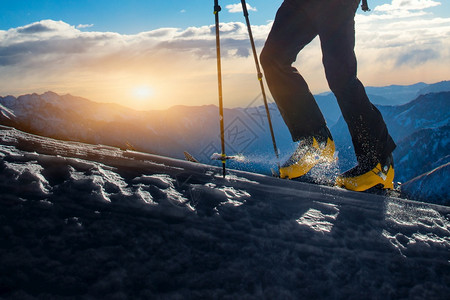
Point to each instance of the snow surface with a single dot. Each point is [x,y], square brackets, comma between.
[7,113]
[420,188]
[91,221]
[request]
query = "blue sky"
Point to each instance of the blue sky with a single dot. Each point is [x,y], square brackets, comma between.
[153,54]
[127,17]
[133,16]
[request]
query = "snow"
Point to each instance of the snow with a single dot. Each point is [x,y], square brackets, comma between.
[7,113]
[86,221]
[239,157]
[434,186]
[319,221]
[428,226]
[29,171]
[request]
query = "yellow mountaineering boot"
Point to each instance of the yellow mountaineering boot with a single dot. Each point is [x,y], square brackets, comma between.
[361,178]
[310,152]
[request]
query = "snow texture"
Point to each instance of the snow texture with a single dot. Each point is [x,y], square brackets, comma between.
[83,221]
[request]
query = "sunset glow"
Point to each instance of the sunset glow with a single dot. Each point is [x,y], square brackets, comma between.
[105,58]
[143,92]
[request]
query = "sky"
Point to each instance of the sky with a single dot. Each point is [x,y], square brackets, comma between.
[156,54]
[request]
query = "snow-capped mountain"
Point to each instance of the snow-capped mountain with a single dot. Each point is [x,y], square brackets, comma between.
[422,131]
[430,185]
[423,151]
[196,129]
[427,111]
[423,159]
[81,221]
[7,116]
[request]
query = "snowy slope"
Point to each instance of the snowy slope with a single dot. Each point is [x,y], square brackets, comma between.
[6,113]
[430,185]
[92,221]
[427,111]
[422,152]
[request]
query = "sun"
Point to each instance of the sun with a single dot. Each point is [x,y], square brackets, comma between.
[143,92]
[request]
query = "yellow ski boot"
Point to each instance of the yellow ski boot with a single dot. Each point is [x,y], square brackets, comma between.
[309,153]
[363,178]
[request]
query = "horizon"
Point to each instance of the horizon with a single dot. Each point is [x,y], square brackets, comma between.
[153,56]
[209,104]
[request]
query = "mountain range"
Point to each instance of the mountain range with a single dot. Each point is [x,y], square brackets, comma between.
[417,117]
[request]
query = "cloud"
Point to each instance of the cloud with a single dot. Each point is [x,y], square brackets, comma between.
[53,55]
[403,43]
[81,26]
[406,5]
[236,8]
[43,30]
[417,57]
[34,28]
[48,41]
[44,26]
[392,48]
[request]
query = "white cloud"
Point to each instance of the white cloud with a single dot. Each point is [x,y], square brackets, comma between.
[236,8]
[42,29]
[81,26]
[392,48]
[53,55]
[402,43]
[406,5]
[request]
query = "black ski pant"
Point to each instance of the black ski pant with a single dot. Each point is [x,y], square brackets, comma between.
[296,24]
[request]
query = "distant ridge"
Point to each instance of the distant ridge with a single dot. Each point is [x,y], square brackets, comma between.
[195,128]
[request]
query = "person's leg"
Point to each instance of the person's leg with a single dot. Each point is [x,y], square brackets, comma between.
[369,133]
[372,142]
[291,31]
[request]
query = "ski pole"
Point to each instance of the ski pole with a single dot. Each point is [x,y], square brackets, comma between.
[260,78]
[217,9]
